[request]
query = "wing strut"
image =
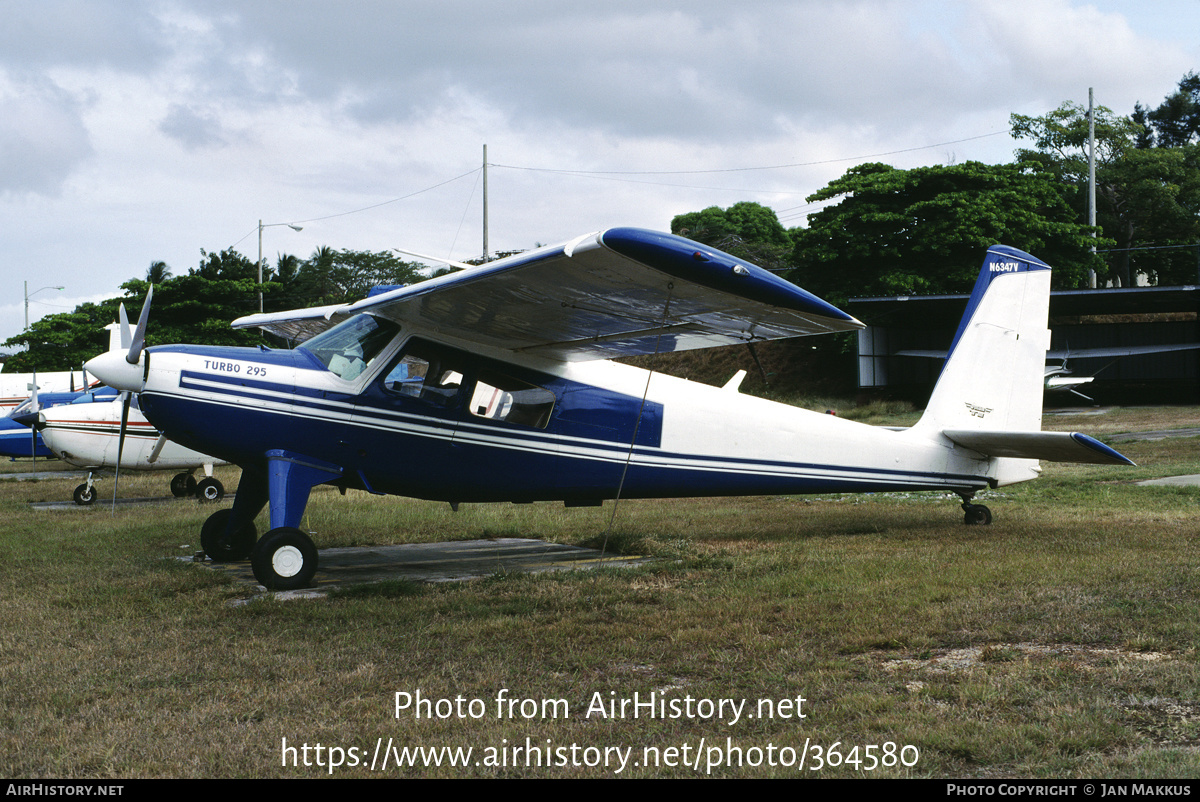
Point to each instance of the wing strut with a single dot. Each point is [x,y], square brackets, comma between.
[637,424]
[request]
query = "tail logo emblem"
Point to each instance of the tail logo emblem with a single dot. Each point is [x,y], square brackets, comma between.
[978,412]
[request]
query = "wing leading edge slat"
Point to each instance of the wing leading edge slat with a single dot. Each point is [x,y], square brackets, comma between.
[620,293]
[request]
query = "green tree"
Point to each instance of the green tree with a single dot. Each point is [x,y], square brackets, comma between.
[333,277]
[1176,121]
[747,230]
[158,272]
[65,340]
[926,230]
[1146,197]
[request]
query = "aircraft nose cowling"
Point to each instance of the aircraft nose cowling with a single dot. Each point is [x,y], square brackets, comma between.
[112,369]
[34,420]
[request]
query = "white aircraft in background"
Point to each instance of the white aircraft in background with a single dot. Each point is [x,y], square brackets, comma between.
[87,434]
[1060,379]
[496,383]
[17,387]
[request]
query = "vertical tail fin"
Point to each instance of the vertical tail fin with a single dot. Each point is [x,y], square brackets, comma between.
[993,376]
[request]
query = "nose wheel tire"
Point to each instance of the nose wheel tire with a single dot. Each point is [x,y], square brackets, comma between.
[179,484]
[209,490]
[284,559]
[85,495]
[222,549]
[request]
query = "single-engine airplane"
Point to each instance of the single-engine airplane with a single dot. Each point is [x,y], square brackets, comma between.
[16,439]
[88,434]
[495,384]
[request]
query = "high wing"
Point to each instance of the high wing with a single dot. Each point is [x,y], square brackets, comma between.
[621,292]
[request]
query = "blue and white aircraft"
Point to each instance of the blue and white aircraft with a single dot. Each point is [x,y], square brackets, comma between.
[17,439]
[495,384]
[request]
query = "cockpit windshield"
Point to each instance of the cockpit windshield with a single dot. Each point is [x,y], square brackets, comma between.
[349,347]
[21,408]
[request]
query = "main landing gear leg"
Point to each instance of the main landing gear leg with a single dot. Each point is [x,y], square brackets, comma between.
[285,558]
[976,514]
[229,535]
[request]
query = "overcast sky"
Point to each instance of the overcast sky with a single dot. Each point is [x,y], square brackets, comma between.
[140,131]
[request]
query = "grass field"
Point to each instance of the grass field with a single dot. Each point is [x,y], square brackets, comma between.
[1058,642]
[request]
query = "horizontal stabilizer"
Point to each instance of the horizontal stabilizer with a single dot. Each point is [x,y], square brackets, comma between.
[1049,446]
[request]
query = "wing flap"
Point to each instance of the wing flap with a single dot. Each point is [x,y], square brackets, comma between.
[1049,446]
[619,293]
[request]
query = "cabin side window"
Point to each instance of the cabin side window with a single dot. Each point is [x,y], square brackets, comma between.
[437,376]
[500,397]
[426,374]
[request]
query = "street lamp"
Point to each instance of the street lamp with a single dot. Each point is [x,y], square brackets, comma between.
[35,292]
[260,228]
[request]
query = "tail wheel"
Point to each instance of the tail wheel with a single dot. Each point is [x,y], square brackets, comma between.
[85,495]
[284,559]
[210,490]
[219,547]
[977,515]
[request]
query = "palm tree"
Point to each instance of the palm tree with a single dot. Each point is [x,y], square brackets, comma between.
[158,272]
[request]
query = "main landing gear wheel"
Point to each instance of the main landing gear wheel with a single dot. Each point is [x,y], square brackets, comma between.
[220,549]
[209,490]
[976,514]
[182,485]
[285,559]
[85,495]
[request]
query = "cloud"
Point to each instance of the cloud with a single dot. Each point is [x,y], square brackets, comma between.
[193,129]
[42,136]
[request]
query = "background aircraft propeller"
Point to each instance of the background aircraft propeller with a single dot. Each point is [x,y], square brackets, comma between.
[33,410]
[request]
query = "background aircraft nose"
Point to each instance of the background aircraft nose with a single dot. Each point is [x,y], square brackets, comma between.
[112,369]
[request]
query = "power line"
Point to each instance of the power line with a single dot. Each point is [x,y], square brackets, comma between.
[746,169]
[366,208]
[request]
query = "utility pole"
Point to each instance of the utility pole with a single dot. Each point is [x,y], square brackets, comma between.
[1092,180]
[486,254]
[260,261]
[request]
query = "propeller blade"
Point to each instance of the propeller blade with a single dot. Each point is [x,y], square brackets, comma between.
[123,319]
[158,447]
[83,370]
[33,409]
[139,334]
[121,446]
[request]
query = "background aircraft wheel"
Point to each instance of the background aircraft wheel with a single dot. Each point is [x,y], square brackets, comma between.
[179,484]
[85,495]
[285,559]
[220,550]
[977,514]
[210,490]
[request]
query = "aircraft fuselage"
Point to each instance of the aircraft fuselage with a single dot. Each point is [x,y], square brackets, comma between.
[585,427]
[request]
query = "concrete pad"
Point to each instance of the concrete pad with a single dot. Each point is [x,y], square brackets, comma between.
[1191,480]
[106,502]
[1158,434]
[442,562]
[40,476]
